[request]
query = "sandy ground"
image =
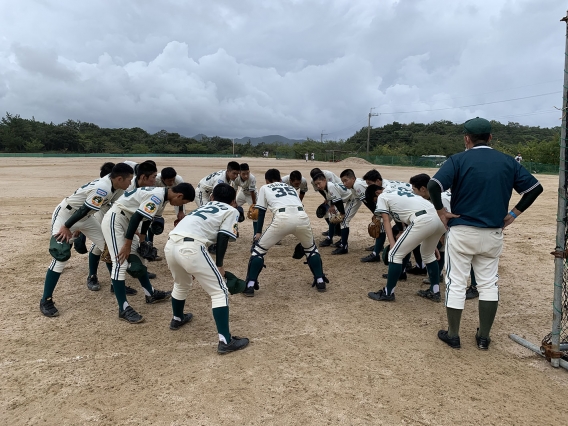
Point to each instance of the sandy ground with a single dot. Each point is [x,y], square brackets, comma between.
[331,358]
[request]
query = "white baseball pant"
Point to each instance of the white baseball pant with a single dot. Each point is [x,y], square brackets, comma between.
[187,258]
[286,221]
[425,231]
[88,226]
[467,247]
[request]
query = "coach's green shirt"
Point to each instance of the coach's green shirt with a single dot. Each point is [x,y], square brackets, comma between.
[482,180]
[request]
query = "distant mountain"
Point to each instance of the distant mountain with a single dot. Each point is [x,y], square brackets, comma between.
[256,141]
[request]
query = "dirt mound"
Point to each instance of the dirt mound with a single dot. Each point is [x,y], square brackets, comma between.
[355,160]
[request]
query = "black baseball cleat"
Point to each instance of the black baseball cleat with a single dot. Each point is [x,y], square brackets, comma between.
[176,325]
[325,243]
[158,296]
[47,307]
[151,275]
[249,292]
[129,290]
[403,276]
[130,315]
[340,250]
[337,244]
[482,342]
[325,233]
[452,342]
[370,248]
[415,270]
[321,285]
[381,295]
[429,294]
[471,292]
[93,283]
[236,344]
[371,258]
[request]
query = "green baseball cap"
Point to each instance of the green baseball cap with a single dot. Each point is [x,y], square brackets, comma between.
[234,284]
[477,126]
[59,250]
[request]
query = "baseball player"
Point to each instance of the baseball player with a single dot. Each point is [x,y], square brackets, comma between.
[298,182]
[120,225]
[247,194]
[331,177]
[482,181]
[187,256]
[373,177]
[342,201]
[289,217]
[423,228]
[169,178]
[206,185]
[75,213]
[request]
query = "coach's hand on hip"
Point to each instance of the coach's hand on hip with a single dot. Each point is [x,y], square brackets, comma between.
[445,216]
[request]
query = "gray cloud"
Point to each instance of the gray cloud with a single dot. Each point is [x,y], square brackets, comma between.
[289,67]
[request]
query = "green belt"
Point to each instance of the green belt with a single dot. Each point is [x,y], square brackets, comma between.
[420,213]
[300,209]
[188,239]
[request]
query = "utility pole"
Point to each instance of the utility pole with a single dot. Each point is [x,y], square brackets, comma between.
[233,147]
[371,114]
[322,135]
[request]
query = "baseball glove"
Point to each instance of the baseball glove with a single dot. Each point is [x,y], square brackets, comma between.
[105,256]
[336,217]
[252,212]
[146,249]
[322,210]
[374,229]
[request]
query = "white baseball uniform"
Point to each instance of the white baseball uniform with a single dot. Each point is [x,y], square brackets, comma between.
[289,216]
[177,180]
[148,202]
[424,227]
[247,188]
[338,192]
[303,183]
[206,185]
[330,177]
[187,255]
[95,195]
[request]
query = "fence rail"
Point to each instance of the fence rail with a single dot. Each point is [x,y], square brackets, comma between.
[51,155]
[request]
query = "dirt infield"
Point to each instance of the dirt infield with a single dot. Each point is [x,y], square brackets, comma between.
[314,359]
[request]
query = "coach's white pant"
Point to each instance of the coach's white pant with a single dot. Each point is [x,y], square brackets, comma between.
[350,209]
[114,226]
[243,198]
[187,258]
[290,221]
[424,231]
[480,248]
[88,226]
[202,197]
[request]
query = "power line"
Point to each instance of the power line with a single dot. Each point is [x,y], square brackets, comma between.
[472,105]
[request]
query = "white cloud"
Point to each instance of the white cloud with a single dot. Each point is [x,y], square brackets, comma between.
[288,67]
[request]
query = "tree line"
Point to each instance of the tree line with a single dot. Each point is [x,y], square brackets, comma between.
[17,134]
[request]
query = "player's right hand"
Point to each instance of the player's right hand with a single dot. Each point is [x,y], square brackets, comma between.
[124,253]
[64,234]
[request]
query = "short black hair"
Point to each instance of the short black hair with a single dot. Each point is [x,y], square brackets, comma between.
[348,173]
[233,165]
[420,180]
[122,170]
[480,139]
[168,173]
[295,176]
[146,168]
[370,193]
[224,193]
[244,167]
[106,168]
[186,189]
[319,176]
[272,175]
[373,175]
[314,172]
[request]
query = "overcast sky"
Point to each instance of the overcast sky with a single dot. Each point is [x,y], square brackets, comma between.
[290,67]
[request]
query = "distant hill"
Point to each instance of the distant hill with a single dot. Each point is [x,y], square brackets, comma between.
[256,141]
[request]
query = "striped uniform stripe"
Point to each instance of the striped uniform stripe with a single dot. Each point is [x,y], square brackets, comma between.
[54,218]
[215,270]
[114,246]
[448,268]
[393,250]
